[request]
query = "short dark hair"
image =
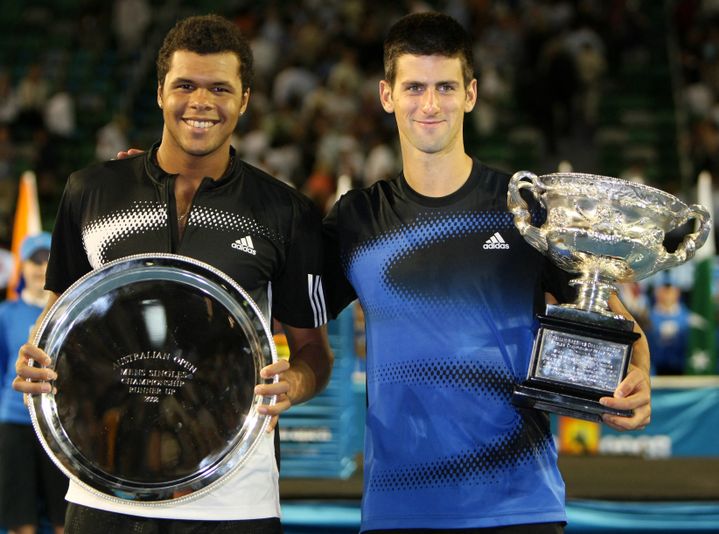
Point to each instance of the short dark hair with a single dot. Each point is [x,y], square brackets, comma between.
[206,34]
[427,34]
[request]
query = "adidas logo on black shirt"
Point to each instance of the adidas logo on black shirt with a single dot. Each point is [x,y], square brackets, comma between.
[245,244]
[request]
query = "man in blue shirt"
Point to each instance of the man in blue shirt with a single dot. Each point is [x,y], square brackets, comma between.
[450,290]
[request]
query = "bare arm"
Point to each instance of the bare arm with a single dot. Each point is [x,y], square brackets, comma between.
[634,392]
[31,379]
[306,374]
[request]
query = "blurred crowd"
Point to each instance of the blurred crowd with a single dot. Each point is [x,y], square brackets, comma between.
[697,31]
[314,120]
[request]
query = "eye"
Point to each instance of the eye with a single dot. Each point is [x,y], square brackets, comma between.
[220,90]
[446,88]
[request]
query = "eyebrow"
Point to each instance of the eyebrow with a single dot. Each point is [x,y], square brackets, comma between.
[192,81]
[440,82]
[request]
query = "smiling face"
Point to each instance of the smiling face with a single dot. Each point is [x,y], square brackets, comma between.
[202,99]
[429,100]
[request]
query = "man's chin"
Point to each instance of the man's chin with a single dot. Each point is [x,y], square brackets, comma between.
[200,152]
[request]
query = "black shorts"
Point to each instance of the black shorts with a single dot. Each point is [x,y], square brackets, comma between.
[84,520]
[30,484]
[532,528]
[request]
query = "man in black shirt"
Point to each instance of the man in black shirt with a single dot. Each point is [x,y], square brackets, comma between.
[190,195]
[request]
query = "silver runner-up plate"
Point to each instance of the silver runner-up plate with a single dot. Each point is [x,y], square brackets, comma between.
[157,357]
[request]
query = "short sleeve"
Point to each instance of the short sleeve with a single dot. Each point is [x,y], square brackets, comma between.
[340,292]
[298,293]
[68,259]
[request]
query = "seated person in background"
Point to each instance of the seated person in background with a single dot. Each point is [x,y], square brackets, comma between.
[668,332]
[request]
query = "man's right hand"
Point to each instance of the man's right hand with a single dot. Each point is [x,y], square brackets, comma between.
[30,379]
[129,152]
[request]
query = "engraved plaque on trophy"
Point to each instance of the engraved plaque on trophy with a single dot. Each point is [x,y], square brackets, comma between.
[157,357]
[607,230]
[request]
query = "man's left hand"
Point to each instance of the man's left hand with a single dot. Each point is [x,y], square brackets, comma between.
[127,153]
[633,393]
[280,388]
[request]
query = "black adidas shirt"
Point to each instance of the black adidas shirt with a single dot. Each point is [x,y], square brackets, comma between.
[256,229]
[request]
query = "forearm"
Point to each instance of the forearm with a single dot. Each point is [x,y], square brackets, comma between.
[35,327]
[640,350]
[310,366]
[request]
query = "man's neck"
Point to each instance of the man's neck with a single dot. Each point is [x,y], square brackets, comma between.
[436,175]
[193,168]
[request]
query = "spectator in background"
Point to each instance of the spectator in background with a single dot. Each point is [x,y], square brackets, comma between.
[59,113]
[591,67]
[28,478]
[634,297]
[9,104]
[7,158]
[381,163]
[294,81]
[131,18]
[6,267]
[635,171]
[32,94]
[705,146]
[8,181]
[555,90]
[112,138]
[46,163]
[668,331]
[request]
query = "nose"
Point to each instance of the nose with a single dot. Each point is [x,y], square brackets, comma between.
[201,99]
[430,102]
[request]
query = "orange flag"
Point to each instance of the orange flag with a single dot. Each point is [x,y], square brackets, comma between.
[26,223]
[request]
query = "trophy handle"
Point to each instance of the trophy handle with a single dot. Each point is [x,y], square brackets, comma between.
[518,206]
[691,242]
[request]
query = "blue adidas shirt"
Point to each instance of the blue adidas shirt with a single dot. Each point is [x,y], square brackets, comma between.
[450,291]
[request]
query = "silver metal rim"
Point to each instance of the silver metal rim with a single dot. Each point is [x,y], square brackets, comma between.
[43,408]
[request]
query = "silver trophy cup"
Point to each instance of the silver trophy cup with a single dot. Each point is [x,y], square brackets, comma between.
[607,230]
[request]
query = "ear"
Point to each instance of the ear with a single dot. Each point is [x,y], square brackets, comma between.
[471,97]
[159,95]
[385,96]
[245,101]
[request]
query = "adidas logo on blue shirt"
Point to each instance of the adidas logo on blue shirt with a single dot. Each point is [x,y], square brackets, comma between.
[496,241]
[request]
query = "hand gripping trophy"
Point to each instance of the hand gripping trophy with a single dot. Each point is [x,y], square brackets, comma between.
[607,230]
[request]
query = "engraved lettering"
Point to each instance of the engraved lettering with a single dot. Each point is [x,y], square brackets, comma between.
[137,356]
[578,360]
[144,391]
[153,383]
[184,363]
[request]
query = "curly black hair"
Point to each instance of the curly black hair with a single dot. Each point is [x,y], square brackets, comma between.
[206,34]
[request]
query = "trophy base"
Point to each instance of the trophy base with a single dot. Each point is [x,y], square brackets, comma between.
[563,404]
[578,357]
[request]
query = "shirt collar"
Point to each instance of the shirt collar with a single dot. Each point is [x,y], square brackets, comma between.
[157,174]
